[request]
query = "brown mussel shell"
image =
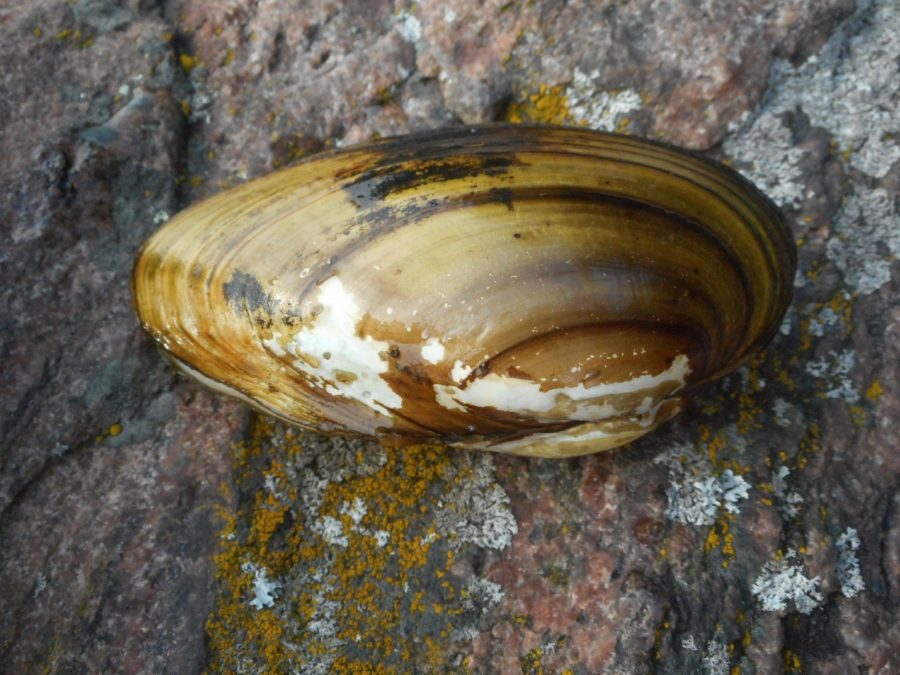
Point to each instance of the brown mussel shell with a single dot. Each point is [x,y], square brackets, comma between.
[533,290]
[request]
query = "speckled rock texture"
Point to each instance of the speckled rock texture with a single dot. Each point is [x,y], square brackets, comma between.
[149,526]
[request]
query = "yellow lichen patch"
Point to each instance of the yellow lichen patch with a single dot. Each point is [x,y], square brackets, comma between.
[188,62]
[72,37]
[658,637]
[111,431]
[858,415]
[712,540]
[810,443]
[548,105]
[842,305]
[720,537]
[875,391]
[350,546]
[750,413]
[532,662]
[821,316]
[815,269]
[792,662]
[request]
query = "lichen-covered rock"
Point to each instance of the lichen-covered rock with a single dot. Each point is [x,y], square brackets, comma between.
[760,531]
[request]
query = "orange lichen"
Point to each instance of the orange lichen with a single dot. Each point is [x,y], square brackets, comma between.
[369,579]
[549,105]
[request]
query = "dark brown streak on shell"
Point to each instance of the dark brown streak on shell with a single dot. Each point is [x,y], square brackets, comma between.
[375,185]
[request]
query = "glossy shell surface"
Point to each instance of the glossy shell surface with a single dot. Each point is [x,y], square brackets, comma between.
[532,290]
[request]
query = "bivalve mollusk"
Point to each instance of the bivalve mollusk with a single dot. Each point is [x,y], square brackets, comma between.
[533,290]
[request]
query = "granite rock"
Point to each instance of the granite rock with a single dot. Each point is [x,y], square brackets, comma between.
[146,527]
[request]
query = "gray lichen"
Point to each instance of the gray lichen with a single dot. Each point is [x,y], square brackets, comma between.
[784,581]
[851,90]
[867,239]
[848,572]
[695,495]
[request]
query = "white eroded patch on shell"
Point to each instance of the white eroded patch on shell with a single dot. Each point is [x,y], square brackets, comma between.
[433,351]
[334,356]
[460,371]
[518,395]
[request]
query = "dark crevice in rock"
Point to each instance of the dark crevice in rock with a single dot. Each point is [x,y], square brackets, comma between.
[182,90]
[889,523]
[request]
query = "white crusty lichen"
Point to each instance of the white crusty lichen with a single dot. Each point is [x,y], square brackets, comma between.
[866,239]
[780,408]
[476,511]
[826,319]
[835,369]
[848,572]
[784,581]
[776,171]
[331,530]
[850,88]
[409,27]
[484,592]
[264,589]
[716,660]
[697,500]
[788,501]
[595,107]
